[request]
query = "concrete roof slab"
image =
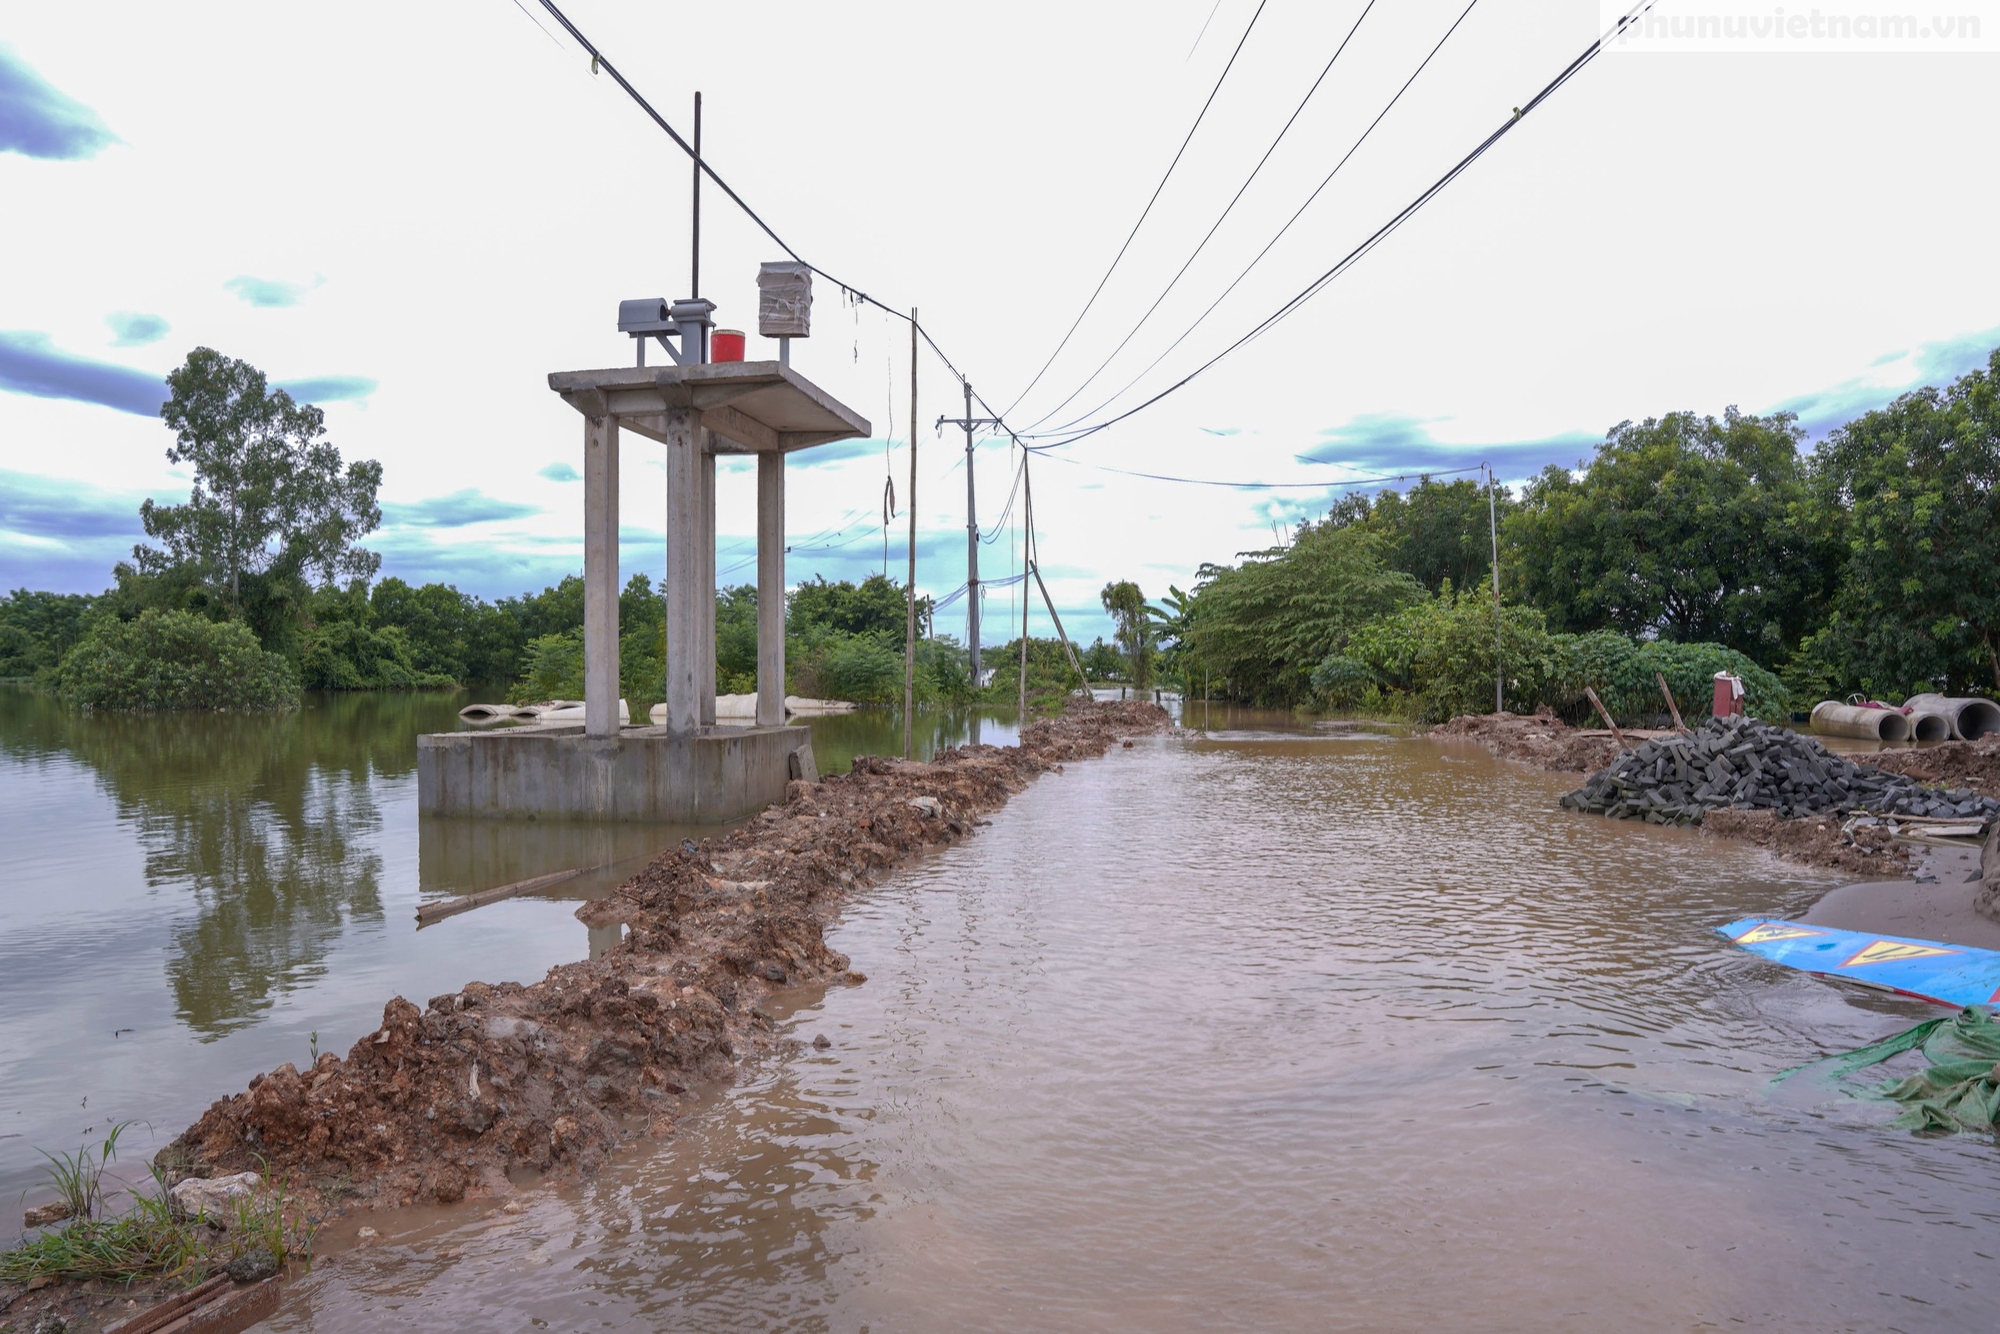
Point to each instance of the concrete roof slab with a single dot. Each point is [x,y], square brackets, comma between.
[751,406]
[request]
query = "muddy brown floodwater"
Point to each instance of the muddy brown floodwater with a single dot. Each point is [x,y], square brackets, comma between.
[1258,1030]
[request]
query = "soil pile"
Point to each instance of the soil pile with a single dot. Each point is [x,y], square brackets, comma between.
[1967,764]
[1745,763]
[441,1102]
[1869,850]
[1539,739]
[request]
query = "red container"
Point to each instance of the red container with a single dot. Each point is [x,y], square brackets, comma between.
[1728,695]
[725,345]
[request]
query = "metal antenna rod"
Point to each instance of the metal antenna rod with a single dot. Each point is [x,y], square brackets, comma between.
[694,267]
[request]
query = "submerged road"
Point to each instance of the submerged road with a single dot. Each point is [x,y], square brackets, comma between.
[1260,1031]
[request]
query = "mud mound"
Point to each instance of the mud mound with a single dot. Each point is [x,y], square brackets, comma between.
[1870,850]
[1542,740]
[1967,764]
[441,1102]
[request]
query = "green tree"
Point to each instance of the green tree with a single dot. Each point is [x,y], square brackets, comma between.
[271,495]
[1440,531]
[1919,482]
[1134,633]
[36,629]
[1682,526]
[1263,626]
[876,605]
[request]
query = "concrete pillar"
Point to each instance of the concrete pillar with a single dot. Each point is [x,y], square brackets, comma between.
[770,589]
[705,597]
[683,570]
[600,576]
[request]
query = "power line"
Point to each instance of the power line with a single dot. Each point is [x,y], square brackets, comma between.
[1260,486]
[1222,217]
[1258,258]
[1143,213]
[1380,234]
[599,60]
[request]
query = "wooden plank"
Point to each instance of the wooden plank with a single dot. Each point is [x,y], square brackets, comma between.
[153,1317]
[1672,707]
[229,1312]
[443,908]
[1609,721]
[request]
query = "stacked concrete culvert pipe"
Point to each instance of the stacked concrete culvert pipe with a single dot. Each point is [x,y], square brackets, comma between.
[1831,719]
[1970,718]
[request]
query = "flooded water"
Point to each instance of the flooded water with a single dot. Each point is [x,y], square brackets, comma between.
[192,899]
[1263,1030]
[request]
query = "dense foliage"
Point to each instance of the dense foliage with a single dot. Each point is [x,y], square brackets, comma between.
[1685,546]
[174,660]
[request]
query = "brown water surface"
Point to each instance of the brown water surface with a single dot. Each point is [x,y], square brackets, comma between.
[1263,1029]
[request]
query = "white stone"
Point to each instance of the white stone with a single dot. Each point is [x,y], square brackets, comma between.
[211,1197]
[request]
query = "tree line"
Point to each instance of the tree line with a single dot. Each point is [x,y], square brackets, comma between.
[258,587]
[1867,563]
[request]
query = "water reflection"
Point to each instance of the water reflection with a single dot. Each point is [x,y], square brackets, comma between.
[267,823]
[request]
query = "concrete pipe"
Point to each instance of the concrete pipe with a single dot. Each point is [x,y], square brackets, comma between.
[1831,719]
[1927,726]
[1970,718]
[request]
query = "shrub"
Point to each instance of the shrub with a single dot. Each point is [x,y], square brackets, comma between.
[346,655]
[554,669]
[1622,673]
[174,660]
[861,668]
[1442,652]
[1342,681]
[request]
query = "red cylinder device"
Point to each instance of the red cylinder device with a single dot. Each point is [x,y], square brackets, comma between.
[1728,695]
[725,345]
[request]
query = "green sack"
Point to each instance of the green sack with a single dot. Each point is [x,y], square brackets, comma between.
[1960,1090]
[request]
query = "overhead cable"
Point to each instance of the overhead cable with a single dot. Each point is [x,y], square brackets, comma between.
[1222,217]
[1143,213]
[1375,238]
[598,60]
[1264,486]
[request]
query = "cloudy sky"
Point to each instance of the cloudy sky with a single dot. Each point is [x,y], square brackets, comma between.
[412,214]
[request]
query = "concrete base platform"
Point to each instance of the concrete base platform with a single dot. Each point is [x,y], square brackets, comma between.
[642,774]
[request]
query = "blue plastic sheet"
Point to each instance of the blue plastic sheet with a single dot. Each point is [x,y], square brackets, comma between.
[1955,975]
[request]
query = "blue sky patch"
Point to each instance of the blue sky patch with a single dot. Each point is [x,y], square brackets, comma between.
[268,291]
[559,472]
[37,121]
[329,388]
[136,330]
[1388,442]
[460,509]
[29,364]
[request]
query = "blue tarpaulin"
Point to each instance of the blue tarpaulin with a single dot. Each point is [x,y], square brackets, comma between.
[1955,975]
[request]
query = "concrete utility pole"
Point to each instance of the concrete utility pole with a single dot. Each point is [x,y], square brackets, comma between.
[1493,527]
[971,423]
[910,630]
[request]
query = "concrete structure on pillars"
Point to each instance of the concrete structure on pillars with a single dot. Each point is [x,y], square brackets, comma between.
[684,769]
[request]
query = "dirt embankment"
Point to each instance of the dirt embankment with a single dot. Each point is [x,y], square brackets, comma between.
[1816,841]
[443,1101]
[1967,764]
[1540,739]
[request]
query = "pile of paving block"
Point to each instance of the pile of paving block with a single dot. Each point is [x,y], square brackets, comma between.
[1745,763]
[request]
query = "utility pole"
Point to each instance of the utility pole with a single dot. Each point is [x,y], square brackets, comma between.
[1027,536]
[1493,526]
[970,423]
[910,628]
